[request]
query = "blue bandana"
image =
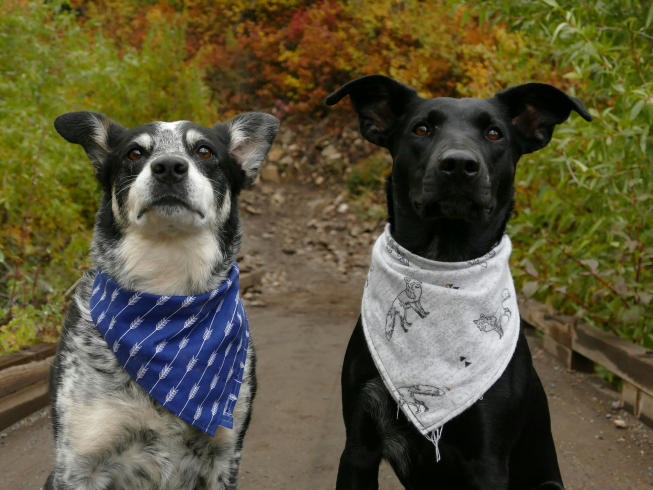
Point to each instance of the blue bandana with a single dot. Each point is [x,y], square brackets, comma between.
[187,352]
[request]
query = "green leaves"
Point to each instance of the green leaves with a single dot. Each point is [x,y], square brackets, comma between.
[637,107]
[552,3]
[583,214]
[530,288]
[649,17]
[50,65]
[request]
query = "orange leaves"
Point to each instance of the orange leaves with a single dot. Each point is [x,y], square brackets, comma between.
[297,63]
[328,43]
[295,52]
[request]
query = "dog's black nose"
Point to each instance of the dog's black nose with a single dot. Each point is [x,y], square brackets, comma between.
[459,164]
[170,170]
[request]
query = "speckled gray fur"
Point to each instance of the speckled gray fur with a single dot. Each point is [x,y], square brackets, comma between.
[109,433]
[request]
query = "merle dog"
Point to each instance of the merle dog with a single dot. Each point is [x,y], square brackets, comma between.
[168,224]
[450,195]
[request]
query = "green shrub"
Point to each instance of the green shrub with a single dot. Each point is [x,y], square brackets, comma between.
[50,65]
[369,174]
[582,232]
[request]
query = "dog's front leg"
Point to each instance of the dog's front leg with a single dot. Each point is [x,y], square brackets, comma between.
[363,398]
[359,467]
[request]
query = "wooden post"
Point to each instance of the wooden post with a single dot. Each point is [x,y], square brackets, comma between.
[579,346]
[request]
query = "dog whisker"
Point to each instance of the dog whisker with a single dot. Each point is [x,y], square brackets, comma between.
[127,185]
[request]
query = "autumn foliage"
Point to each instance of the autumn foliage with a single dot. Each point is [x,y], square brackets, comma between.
[292,54]
[193,59]
[581,233]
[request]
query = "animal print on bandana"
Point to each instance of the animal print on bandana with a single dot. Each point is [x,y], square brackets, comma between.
[430,327]
[498,320]
[409,298]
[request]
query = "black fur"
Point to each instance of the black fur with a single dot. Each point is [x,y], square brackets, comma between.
[449,197]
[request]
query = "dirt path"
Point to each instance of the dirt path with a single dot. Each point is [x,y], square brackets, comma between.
[301,320]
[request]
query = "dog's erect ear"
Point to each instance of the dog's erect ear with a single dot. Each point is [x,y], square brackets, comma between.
[94,132]
[379,102]
[250,138]
[535,109]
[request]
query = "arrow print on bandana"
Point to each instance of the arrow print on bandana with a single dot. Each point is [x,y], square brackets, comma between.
[464,359]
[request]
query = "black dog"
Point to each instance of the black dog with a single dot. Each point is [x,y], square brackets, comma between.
[450,195]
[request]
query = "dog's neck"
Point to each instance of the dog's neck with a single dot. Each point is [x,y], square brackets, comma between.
[169,264]
[444,240]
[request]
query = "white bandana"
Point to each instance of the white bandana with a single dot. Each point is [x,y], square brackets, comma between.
[440,333]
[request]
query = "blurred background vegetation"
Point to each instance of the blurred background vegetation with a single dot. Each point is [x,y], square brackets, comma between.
[581,230]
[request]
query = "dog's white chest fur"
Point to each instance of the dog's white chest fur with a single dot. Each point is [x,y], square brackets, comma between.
[169,263]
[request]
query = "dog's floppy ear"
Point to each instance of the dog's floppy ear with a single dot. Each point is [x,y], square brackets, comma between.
[535,109]
[250,138]
[379,102]
[94,132]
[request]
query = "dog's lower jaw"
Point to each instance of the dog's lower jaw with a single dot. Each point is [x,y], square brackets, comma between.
[461,209]
[170,221]
[442,238]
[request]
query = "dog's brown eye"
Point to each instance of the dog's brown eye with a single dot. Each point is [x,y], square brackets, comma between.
[494,134]
[204,152]
[135,155]
[421,130]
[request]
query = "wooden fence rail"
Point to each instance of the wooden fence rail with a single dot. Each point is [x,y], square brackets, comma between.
[580,345]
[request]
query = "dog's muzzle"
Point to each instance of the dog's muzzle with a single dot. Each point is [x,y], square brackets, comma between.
[456,185]
[169,190]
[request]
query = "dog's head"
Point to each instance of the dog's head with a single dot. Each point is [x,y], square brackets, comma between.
[455,158]
[173,175]
[169,183]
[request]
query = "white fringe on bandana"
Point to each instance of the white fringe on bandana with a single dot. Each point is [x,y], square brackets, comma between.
[440,333]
